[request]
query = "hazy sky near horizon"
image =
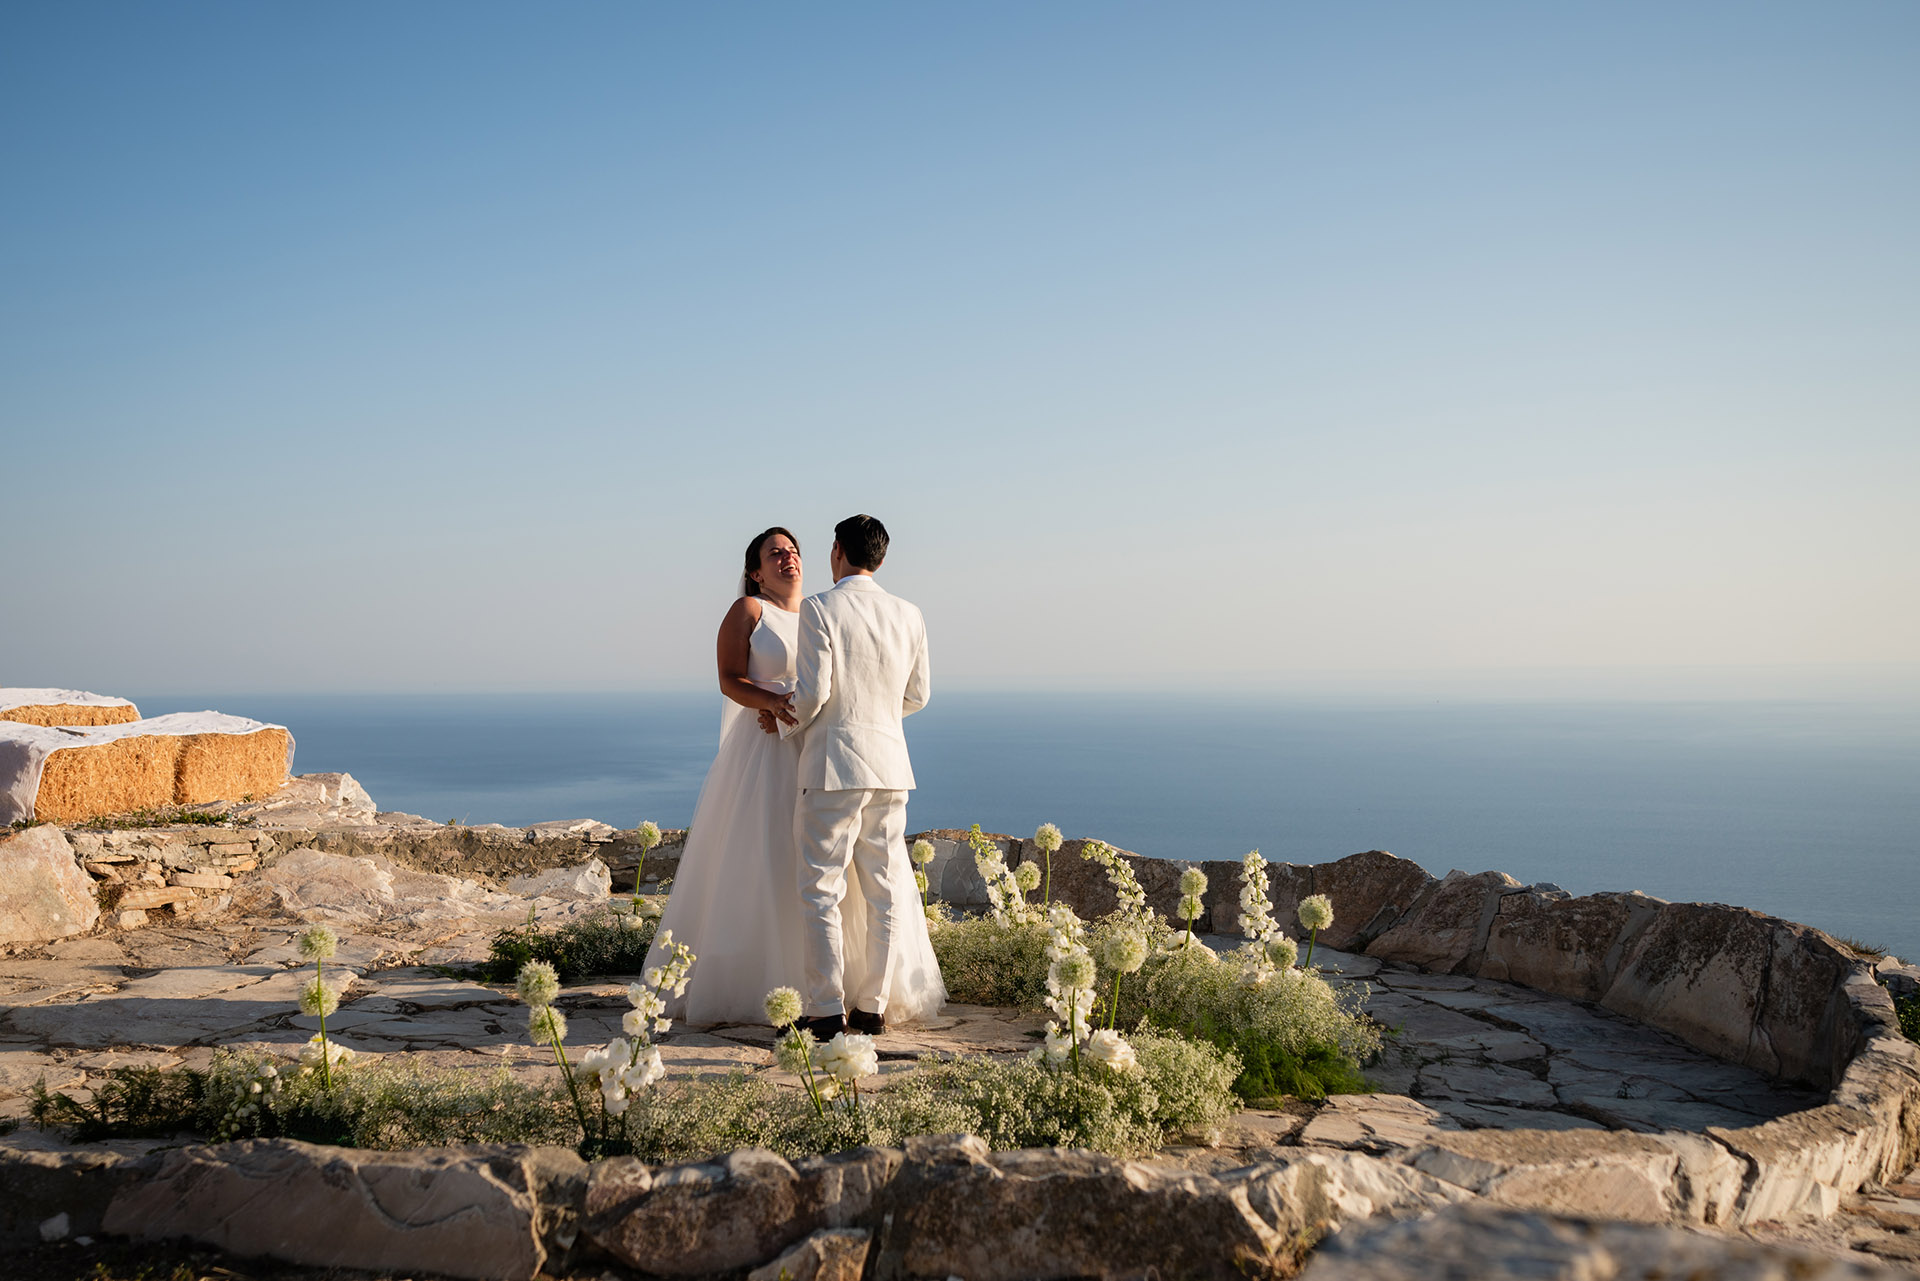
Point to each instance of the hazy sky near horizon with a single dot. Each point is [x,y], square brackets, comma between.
[464,346]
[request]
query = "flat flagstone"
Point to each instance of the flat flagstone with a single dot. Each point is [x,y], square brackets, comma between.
[1374,1123]
[1485,1116]
[1484,1083]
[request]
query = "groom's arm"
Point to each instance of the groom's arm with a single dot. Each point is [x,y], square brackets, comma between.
[919,682]
[813,669]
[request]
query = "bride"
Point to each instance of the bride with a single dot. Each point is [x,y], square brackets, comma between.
[736,897]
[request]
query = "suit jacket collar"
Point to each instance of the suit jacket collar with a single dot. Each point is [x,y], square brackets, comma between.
[857,583]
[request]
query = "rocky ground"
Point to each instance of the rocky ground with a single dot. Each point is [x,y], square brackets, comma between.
[1463,1054]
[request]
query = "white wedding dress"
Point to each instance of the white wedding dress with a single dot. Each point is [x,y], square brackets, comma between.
[736,897]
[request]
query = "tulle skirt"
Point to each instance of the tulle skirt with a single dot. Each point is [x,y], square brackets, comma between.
[735,899]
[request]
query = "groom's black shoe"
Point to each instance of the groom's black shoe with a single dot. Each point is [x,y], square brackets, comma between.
[823,1026]
[866,1024]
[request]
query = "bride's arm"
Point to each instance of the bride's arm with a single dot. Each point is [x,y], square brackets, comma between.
[730,652]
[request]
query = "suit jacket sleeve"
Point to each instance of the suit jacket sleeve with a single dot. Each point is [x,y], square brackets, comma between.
[813,669]
[919,684]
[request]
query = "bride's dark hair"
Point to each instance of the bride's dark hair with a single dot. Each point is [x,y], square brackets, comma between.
[753,556]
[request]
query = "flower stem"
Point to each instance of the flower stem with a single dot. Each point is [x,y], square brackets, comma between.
[326,1065]
[1047,891]
[1312,938]
[1113,1006]
[566,1070]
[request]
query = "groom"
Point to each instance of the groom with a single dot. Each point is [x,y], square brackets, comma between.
[862,666]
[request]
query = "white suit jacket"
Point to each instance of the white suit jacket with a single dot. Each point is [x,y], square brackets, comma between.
[862,667]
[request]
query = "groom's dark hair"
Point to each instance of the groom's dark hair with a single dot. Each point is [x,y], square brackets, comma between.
[863,541]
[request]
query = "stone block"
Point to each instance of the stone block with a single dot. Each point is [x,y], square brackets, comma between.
[456,1212]
[37,1186]
[142,897]
[1315,1192]
[1571,947]
[1801,1164]
[1446,927]
[129,918]
[1698,971]
[1483,1243]
[1370,891]
[43,893]
[1645,1178]
[831,1254]
[200,880]
[590,882]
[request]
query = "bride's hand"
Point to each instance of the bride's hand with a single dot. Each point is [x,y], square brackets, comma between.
[768,724]
[782,710]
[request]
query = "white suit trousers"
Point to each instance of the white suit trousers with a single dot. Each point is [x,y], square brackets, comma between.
[837,830]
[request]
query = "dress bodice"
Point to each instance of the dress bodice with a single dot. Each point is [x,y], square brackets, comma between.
[772,648]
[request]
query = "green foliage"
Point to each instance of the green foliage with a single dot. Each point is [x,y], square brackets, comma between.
[132,1102]
[1294,1032]
[1178,1087]
[1860,947]
[593,946]
[986,963]
[164,816]
[389,1105]
[1909,1010]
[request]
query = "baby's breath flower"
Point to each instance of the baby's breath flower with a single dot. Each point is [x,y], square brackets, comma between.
[1027,877]
[1316,912]
[921,852]
[1047,837]
[1193,882]
[538,983]
[318,943]
[1123,951]
[1109,1047]
[546,1025]
[783,1007]
[1282,951]
[317,999]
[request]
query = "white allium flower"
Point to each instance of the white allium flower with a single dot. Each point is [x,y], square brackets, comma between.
[1123,951]
[1073,973]
[648,834]
[1027,877]
[318,943]
[1193,882]
[538,983]
[1192,908]
[848,1057]
[795,1052]
[783,1007]
[1109,1047]
[1282,951]
[1047,837]
[1316,912]
[920,880]
[921,852]
[546,1024]
[317,999]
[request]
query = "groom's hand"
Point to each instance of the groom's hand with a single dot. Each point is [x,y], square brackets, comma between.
[782,711]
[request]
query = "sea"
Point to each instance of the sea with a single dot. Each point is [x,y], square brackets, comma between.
[1806,809]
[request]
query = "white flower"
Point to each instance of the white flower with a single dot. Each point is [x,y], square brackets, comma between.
[649,835]
[538,983]
[1282,951]
[795,1052]
[317,999]
[1047,837]
[1027,877]
[1123,951]
[920,880]
[1191,908]
[1193,882]
[848,1057]
[607,1060]
[546,1025]
[1073,973]
[922,852]
[1056,1047]
[633,1023]
[318,943]
[644,1071]
[783,1007]
[648,907]
[1109,1047]
[652,977]
[1316,912]
[1194,947]
[319,1048]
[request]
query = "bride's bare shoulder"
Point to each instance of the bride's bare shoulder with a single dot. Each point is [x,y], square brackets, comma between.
[745,610]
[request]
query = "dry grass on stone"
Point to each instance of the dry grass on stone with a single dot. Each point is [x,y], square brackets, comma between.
[77,715]
[147,771]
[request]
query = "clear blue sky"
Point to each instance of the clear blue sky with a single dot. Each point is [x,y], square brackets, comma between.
[463,346]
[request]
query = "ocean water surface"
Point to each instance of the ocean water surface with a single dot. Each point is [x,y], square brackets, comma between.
[1805,809]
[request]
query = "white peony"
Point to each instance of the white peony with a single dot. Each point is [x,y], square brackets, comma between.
[848,1057]
[1110,1048]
